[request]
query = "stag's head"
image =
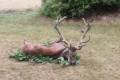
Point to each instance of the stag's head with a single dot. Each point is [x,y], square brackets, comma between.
[71,49]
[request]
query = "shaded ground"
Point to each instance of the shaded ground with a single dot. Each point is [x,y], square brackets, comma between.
[100,59]
[19,5]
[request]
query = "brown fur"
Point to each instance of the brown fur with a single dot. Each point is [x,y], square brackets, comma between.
[36,49]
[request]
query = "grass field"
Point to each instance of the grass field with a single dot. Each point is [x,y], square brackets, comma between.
[100,59]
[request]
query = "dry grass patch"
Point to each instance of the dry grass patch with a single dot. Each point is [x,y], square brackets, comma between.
[99,59]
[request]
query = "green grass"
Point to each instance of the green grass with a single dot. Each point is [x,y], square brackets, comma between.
[99,59]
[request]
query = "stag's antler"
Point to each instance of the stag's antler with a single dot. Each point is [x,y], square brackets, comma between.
[84,31]
[61,39]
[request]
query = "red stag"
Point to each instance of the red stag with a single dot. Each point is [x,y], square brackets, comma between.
[61,47]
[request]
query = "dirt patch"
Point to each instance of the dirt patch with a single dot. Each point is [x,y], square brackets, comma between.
[19,4]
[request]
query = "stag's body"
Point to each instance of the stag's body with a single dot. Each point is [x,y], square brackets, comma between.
[39,49]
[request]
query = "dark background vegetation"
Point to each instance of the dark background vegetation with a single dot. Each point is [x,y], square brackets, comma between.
[78,8]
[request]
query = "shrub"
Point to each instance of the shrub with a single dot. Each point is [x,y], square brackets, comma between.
[74,8]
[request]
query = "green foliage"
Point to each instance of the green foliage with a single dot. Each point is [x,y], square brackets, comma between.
[20,56]
[73,8]
[50,9]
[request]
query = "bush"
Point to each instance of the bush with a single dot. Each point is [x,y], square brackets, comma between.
[75,8]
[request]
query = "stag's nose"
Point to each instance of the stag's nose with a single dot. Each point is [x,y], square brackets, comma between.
[73,62]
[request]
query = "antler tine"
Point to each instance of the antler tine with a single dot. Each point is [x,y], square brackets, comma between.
[62,39]
[87,28]
[84,31]
[61,19]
